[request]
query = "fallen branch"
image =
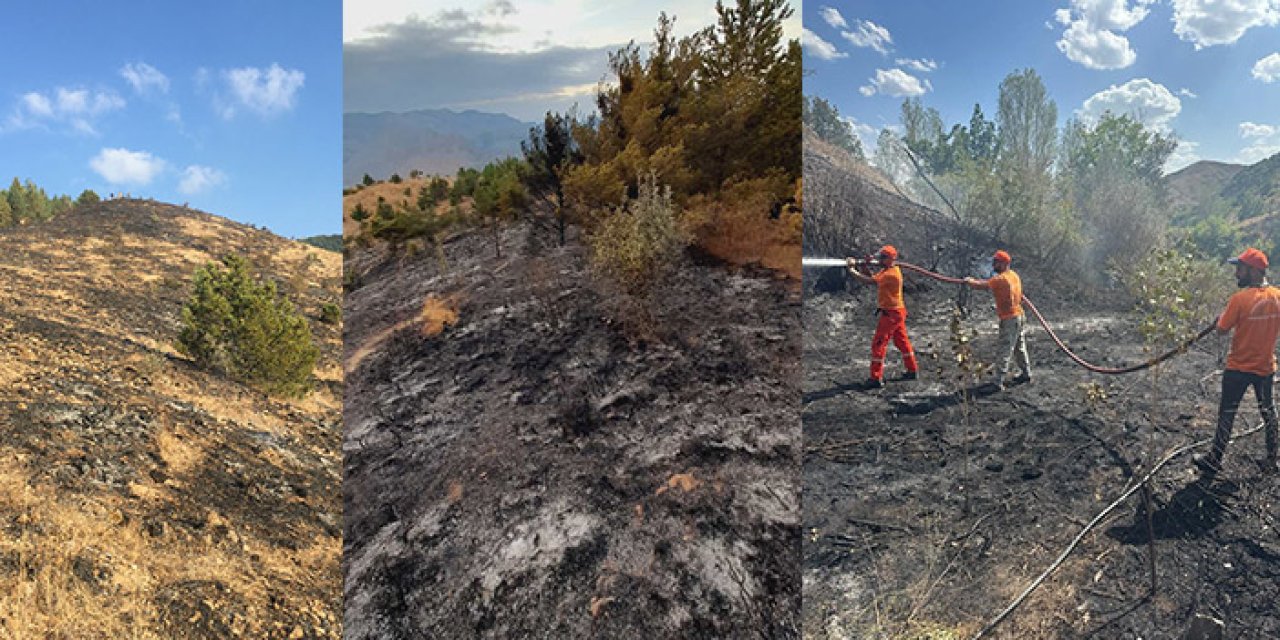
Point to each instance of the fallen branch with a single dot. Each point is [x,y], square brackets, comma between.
[1133,488]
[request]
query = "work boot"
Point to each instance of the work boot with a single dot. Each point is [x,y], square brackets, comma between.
[1269,466]
[873,383]
[910,375]
[1024,378]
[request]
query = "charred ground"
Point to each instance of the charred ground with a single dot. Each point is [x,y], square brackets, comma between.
[143,496]
[554,462]
[929,505]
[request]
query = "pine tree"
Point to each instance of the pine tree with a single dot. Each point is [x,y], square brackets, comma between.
[238,326]
[550,152]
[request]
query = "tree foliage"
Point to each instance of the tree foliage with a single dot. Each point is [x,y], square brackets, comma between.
[26,203]
[245,329]
[550,152]
[825,120]
[1079,199]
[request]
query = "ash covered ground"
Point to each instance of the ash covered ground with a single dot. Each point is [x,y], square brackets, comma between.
[558,463]
[929,505]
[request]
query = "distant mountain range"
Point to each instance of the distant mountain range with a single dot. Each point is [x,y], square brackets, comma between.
[1242,192]
[437,141]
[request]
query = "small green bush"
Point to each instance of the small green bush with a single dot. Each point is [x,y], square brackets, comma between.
[330,313]
[637,243]
[244,329]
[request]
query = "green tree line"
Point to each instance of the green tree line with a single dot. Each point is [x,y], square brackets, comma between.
[702,120]
[1081,197]
[27,203]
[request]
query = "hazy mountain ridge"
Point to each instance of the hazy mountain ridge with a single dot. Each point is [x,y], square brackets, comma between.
[437,141]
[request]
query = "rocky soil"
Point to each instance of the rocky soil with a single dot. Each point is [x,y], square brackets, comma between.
[141,496]
[555,461]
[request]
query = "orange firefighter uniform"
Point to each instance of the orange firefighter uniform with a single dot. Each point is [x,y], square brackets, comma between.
[893,317]
[1253,313]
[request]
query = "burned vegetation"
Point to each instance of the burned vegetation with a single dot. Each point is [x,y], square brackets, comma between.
[571,406]
[930,506]
[144,496]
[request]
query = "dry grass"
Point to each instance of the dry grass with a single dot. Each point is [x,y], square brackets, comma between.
[438,313]
[91,561]
[685,482]
[78,567]
[744,236]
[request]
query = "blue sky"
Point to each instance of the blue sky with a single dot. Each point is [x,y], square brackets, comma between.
[1206,73]
[234,107]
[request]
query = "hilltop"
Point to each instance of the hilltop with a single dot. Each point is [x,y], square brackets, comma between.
[436,141]
[144,497]
[1249,195]
[1198,183]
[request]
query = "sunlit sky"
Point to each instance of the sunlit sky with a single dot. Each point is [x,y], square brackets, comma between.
[521,58]
[1206,71]
[234,107]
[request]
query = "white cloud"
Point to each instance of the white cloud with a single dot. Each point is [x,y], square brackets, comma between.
[868,34]
[196,179]
[895,82]
[1205,23]
[267,92]
[1096,48]
[38,105]
[1184,155]
[1258,151]
[122,166]
[1264,142]
[1255,130]
[821,49]
[1185,92]
[1267,69]
[74,108]
[923,65]
[833,18]
[1151,103]
[1092,37]
[144,78]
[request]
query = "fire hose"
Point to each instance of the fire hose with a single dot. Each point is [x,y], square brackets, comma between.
[839,262]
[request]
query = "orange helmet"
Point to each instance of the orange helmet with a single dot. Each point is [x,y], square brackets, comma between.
[1251,257]
[887,254]
[1001,257]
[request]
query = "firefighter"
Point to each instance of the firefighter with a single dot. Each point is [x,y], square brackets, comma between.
[892,312]
[1006,287]
[1254,314]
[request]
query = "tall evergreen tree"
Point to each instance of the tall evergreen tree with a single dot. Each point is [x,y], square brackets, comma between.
[549,152]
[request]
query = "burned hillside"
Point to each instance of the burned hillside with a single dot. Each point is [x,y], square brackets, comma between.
[929,505]
[530,454]
[142,496]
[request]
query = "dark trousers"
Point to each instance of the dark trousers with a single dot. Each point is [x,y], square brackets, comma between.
[1234,384]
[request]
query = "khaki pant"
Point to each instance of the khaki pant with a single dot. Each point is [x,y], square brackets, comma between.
[1013,342]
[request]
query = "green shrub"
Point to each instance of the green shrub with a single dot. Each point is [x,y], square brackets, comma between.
[330,313]
[638,242]
[359,213]
[244,329]
[1178,292]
